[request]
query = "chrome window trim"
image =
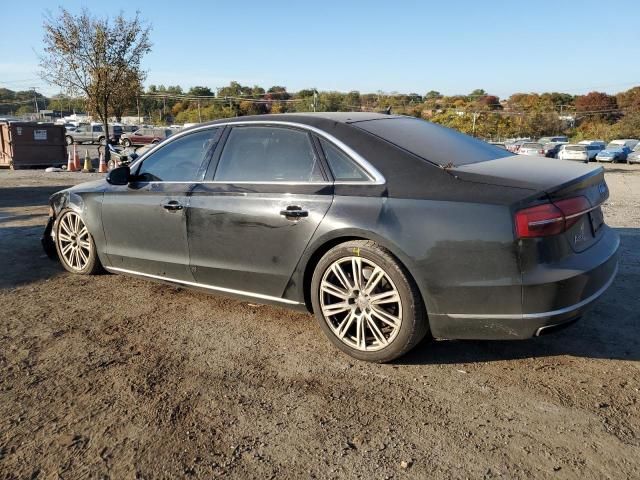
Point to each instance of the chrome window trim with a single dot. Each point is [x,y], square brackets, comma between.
[204,285]
[376,178]
[540,315]
[217,182]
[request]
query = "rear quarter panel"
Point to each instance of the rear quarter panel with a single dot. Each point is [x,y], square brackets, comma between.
[462,255]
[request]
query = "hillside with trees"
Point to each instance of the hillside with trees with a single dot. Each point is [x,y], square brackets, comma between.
[594,115]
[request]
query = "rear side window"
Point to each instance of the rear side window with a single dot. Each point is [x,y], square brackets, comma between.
[342,167]
[432,142]
[268,154]
[180,160]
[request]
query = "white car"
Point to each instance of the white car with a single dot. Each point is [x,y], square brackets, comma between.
[579,153]
[532,149]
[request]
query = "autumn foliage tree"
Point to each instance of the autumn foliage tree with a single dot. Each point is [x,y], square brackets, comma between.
[94,57]
[597,105]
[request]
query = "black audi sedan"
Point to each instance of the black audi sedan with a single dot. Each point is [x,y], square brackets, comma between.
[387,228]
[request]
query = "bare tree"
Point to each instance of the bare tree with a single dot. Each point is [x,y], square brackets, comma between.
[94,57]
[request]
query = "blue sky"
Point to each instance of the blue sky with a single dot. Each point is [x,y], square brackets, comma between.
[404,46]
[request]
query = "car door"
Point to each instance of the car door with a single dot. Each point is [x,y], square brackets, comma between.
[249,224]
[145,222]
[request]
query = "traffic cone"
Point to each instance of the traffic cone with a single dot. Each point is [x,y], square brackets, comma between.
[76,158]
[71,165]
[102,168]
[87,163]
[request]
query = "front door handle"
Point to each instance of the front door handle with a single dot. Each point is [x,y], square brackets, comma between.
[294,212]
[172,206]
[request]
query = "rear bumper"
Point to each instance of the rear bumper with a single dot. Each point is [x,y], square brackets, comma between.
[562,297]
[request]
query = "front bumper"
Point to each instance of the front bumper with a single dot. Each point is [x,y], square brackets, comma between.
[48,244]
[552,297]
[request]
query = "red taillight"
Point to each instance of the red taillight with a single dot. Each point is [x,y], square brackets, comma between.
[550,218]
[541,152]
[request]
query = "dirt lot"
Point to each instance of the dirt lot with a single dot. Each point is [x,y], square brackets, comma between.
[112,377]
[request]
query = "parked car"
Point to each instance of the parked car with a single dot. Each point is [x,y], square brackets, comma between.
[630,143]
[145,136]
[558,138]
[598,143]
[93,133]
[574,152]
[551,149]
[614,152]
[499,144]
[386,227]
[634,156]
[531,149]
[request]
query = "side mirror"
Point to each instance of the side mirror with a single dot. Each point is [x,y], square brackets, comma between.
[119,176]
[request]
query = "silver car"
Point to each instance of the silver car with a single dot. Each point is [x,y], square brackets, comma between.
[536,149]
[634,157]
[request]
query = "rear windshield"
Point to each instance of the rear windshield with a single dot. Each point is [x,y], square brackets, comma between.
[537,146]
[437,144]
[575,148]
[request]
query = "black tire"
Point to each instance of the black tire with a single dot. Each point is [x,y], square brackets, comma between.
[69,140]
[92,266]
[102,141]
[414,323]
[126,143]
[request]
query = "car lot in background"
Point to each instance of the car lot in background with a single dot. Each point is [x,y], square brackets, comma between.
[499,144]
[531,149]
[145,136]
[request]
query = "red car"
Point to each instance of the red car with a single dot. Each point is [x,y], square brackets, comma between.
[145,136]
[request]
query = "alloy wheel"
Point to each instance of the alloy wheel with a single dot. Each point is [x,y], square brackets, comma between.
[360,303]
[74,241]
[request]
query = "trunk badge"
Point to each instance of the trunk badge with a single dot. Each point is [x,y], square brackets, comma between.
[602,188]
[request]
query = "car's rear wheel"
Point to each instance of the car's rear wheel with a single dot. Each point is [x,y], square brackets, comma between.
[69,140]
[76,249]
[366,302]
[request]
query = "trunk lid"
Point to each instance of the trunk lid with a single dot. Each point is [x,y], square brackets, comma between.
[552,180]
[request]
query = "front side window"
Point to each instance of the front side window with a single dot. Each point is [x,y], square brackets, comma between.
[268,154]
[342,167]
[180,160]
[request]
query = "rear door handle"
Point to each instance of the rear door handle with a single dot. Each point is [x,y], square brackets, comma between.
[172,206]
[294,211]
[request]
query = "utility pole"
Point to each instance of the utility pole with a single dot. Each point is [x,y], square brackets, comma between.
[315,99]
[138,108]
[199,114]
[475,115]
[35,100]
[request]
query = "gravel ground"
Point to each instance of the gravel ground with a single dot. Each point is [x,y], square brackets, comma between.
[113,377]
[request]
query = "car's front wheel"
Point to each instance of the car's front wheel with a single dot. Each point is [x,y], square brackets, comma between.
[76,249]
[366,302]
[126,143]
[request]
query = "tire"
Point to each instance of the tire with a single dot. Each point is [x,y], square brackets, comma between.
[126,143]
[111,164]
[69,140]
[102,141]
[391,327]
[85,261]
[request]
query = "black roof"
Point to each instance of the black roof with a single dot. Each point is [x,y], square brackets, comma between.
[310,118]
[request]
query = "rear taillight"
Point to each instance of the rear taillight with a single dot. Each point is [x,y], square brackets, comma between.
[550,218]
[541,152]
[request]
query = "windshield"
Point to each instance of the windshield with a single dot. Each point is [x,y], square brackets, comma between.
[432,142]
[537,146]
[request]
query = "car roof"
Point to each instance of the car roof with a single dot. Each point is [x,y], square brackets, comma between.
[309,118]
